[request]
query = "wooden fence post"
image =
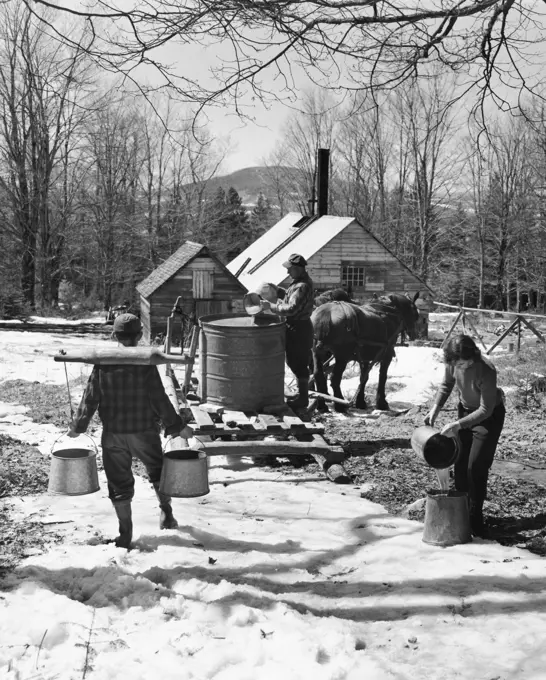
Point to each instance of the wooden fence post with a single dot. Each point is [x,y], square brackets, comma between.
[450,331]
[506,332]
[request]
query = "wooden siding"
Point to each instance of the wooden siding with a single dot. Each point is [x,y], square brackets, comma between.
[203,284]
[226,294]
[354,246]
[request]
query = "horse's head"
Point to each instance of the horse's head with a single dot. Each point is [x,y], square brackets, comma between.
[408,312]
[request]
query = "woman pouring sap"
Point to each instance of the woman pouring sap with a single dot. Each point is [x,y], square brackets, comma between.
[481,418]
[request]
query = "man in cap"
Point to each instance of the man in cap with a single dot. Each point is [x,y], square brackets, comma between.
[131,401]
[297,306]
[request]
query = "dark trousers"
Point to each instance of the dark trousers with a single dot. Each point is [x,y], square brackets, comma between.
[299,343]
[478,446]
[118,451]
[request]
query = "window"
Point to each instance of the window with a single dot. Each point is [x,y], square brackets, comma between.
[352,276]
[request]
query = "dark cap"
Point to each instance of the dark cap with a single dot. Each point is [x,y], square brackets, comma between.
[127,323]
[295,260]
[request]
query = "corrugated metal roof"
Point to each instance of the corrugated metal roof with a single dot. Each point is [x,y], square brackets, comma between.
[167,269]
[268,254]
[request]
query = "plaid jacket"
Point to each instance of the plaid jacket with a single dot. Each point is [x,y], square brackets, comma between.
[297,303]
[129,399]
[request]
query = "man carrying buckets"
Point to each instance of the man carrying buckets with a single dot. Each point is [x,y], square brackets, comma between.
[297,307]
[131,401]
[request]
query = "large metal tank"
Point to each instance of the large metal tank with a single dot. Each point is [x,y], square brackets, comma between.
[242,361]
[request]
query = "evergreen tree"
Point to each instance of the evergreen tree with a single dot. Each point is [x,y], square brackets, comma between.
[261,217]
[238,233]
[212,233]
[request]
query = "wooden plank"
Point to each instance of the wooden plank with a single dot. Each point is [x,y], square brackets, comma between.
[328,397]
[202,419]
[192,352]
[515,323]
[275,448]
[532,328]
[314,428]
[237,418]
[294,423]
[107,356]
[259,428]
[271,423]
[468,318]
[450,331]
[170,388]
[215,409]
[495,312]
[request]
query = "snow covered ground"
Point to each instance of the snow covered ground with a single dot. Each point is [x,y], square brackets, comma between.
[269,576]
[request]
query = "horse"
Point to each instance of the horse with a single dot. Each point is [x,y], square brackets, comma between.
[366,334]
[333,295]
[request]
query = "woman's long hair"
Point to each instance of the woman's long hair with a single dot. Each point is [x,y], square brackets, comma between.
[461,347]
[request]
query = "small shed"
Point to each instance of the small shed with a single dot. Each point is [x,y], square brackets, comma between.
[340,252]
[194,274]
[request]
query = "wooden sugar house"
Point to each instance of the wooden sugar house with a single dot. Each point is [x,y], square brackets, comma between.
[340,252]
[196,276]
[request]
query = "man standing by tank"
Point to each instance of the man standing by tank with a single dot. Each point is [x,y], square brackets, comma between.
[296,304]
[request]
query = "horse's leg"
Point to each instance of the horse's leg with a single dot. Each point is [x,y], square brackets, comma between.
[319,357]
[365,367]
[342,358]
[380,399]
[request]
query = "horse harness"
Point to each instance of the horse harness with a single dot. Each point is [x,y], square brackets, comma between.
[374,343]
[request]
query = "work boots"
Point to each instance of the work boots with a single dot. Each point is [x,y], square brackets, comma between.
[301,400]
[166,518]
[123,511]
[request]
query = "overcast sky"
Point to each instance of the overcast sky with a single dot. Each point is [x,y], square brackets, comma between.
[251,139]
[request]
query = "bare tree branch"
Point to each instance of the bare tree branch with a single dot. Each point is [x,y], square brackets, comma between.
[343,44]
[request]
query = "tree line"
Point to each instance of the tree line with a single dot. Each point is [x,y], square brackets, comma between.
[460,204]
[99,185]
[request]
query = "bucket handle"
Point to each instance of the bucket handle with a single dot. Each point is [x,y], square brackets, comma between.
[193,437]
[63,434]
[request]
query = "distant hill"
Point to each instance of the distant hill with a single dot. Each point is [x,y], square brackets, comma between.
[248,183]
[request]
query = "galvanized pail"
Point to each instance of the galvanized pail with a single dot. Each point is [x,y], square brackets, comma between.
[447,520]
[267,291]
[251,303]
[437,450]
[73,471]
[185,473]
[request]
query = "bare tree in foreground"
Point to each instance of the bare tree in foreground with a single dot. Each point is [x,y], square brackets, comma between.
[344,44]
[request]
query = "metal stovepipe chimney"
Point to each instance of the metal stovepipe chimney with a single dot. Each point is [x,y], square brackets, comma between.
[323,169]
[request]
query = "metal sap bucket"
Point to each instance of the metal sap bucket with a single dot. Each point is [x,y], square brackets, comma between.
[73,471]
[251,303]
[437,450]
[447,519]
[267,291]
[184,473]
